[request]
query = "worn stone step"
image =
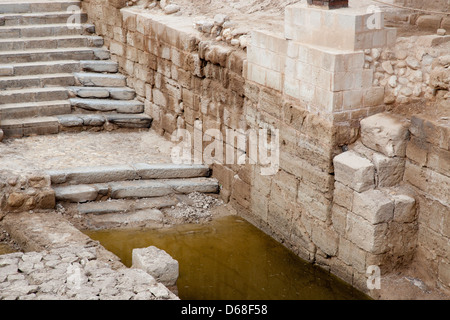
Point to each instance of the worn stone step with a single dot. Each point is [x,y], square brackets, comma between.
[93,79]
[130,120]
[73,121]
[100,66]
[17,128]
[36,6]
[35,55]
[105,105]
[15,19]
[42,67]
[45,30]
[137,171]
[34,109]
[126,205]
[33,95]
[115,93]
[52,42]
[37,81]
[135,189]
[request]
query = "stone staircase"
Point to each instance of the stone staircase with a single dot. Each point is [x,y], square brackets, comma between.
[140,180]
[56,76]
[128,193]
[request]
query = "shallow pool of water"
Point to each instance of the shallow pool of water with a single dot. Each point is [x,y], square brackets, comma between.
[230,259]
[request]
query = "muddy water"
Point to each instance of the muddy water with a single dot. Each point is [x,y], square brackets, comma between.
[231,259]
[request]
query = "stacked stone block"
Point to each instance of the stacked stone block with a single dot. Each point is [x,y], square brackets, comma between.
[320,60]
[372,214]
[428,170]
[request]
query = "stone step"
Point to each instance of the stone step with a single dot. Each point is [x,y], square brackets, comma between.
[135,189]
[115,93]
[42,67]
[93,79]
[33,95]
[34,109]
[73,121]
[105,105]
[128,172]
[37,81]
[36,6]
[45,30]
[35,55]
[52,42]
[15,19]
[100,66]
[17,128]
[126,205]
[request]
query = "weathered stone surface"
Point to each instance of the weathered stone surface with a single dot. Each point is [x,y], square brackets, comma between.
[389,171]
[354,171]
[157,263]
[405,208]
[79,193]
[374,206]
[385,133]
[367,236]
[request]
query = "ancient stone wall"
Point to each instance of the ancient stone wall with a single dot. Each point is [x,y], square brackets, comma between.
[190,82]
[24,192]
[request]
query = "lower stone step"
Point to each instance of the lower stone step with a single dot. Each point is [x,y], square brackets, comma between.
[14,19]
[126,172]
[35,55]
[53,42]
[42,67]
[106,105]
[45,30]
[92,79]
[33,95]
[34,109]
[100,66]
[126,205]
[70,122]
[115,93]
[135,189]
[17,128]
[37,81]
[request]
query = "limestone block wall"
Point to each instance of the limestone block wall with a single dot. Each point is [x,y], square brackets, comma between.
[321,61]
[24,192]
[428,170]
[315,97]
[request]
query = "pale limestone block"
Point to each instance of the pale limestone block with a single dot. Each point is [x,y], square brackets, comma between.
[374,206]
[157,263]
[343,195]
[367,236]
[352,255]
[325,238]
[405,208]
[385,133]
[354,171]
[389,170]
